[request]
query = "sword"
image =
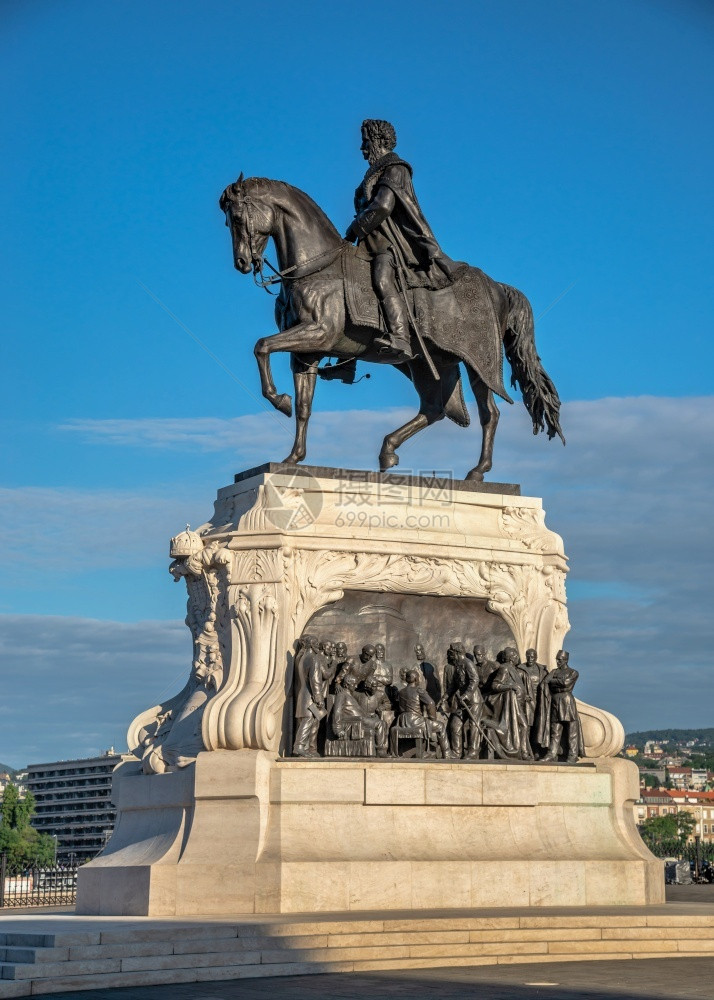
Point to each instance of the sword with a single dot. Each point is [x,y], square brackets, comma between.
[401,271]
[479,728]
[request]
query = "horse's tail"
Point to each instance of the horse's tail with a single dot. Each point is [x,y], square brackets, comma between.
[539,394]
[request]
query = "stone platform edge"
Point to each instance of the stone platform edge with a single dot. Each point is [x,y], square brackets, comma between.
[357,476]
[51,954]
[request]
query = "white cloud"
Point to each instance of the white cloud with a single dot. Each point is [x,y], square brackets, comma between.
[50,529]
[73,685]
[254,432]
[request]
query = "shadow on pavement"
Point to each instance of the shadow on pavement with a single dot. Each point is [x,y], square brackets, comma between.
[656,979]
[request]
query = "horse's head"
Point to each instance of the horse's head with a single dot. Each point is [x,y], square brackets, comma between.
[250,221]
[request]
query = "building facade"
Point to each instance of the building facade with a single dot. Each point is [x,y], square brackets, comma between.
[73,803]
[663,802]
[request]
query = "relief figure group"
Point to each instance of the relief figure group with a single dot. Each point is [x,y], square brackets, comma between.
[475,708]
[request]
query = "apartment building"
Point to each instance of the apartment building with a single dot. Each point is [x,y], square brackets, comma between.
[73,803]
[662,802]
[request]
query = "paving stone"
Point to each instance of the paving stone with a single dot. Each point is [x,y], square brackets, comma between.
[222,958]
[16,988]
[49,970]
[36,954]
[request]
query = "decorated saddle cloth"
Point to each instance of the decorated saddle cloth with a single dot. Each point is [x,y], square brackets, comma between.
[460,318]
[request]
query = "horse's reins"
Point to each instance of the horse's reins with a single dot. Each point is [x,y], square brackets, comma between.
[260,261]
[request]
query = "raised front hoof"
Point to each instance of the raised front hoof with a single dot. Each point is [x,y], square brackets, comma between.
[474,476]
[387,461]
[294,457]
[284,403]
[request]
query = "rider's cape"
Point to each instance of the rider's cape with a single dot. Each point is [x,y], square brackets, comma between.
[447,316]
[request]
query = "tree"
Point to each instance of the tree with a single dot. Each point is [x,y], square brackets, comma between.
[667,836]
[652,781]
[22,844]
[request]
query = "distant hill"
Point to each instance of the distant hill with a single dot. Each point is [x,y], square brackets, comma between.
[671,736]
[5,768]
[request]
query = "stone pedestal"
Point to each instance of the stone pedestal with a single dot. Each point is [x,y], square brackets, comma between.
[244,832]
[214,819]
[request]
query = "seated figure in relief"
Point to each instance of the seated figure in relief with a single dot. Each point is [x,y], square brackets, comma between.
[375,698]
[413,700]
[352,720]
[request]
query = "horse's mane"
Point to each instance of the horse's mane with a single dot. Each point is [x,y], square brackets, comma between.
[265,185]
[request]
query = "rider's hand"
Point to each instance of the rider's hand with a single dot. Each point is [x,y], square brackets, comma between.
[350,235]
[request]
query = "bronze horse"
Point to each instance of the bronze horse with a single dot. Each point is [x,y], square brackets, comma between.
[315,323]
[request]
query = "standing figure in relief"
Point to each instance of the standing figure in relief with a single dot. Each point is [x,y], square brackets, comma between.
[462,702]
[485,667]
[339,658]
[448,677]
[327,648]
[429,676]
[360,666]
[534,673]
[510,692]
[383,667]
[340,655]
[312,686]
[563,711]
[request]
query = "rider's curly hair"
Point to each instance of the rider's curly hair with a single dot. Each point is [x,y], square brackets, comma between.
[380,132]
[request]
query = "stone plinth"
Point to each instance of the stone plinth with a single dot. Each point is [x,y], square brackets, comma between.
[213,819]
[243,832]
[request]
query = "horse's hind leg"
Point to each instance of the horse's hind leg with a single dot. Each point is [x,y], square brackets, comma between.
[304,377]
[387,456]
[488,417]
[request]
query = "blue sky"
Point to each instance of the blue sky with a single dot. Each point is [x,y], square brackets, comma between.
[557,145]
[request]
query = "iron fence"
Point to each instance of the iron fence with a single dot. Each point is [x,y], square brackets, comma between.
[55,885]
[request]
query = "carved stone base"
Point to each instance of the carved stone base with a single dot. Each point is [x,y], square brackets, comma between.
[401,558]
[242,832]
[213,819]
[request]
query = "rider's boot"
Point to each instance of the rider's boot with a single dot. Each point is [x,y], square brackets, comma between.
[395,345]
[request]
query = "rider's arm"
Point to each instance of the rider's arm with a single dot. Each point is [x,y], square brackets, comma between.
[379,209]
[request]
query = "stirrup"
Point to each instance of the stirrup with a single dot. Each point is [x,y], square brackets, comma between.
[399,347]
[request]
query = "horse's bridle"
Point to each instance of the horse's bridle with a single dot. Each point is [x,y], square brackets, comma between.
[293,273]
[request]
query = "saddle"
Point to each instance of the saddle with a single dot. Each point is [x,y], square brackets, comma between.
[460,319]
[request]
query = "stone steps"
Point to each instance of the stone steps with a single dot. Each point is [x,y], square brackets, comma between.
[160,952]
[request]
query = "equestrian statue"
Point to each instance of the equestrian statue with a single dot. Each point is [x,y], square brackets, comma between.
[393,298]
